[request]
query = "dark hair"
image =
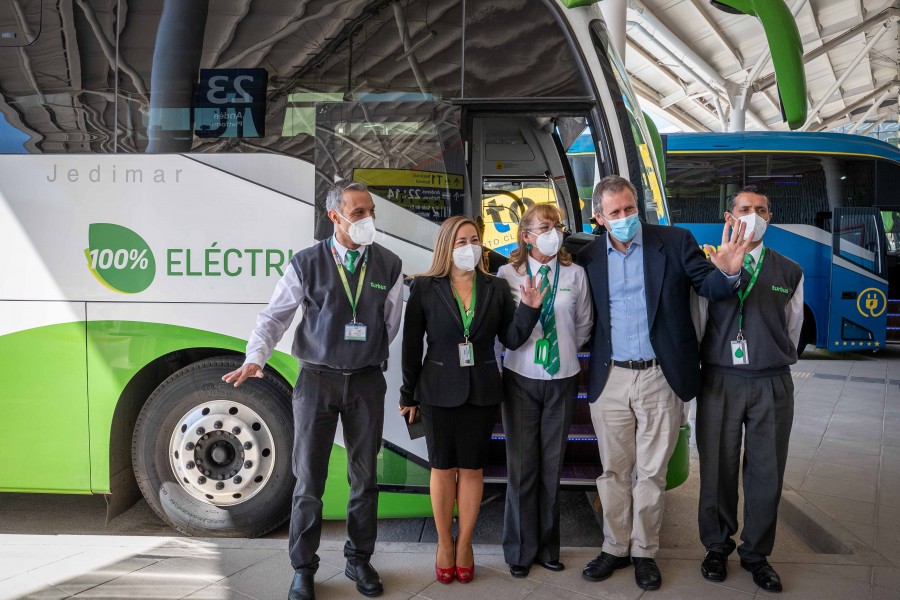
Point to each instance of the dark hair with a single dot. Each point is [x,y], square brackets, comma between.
[747,189]
[613,184]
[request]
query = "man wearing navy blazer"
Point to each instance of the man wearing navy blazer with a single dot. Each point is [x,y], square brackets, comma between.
[644,362]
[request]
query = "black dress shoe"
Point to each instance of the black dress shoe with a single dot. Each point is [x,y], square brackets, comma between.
[551,565]
[715,566]
[368,583]
[518,571]
[646,573]
[763,575]
[603,566]
[302,587]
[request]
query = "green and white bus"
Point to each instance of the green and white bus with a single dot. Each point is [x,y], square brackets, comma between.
[161,160]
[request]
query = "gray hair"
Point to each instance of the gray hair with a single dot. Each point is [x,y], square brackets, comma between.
[613,184]
[748,189]
[335,198]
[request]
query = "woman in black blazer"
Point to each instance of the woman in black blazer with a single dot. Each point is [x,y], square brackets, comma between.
[460,311]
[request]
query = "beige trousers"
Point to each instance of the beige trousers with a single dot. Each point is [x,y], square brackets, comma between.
[636,418]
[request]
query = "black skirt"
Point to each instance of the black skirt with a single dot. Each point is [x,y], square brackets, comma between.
[458,437]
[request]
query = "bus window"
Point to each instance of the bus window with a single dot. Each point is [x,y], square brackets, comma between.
[858,239]
[642,172]
[698,185]
[582,157]
[409,153]
[319,52]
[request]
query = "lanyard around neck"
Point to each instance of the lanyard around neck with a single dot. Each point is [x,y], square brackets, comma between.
[466,315]
[548,307]
[742,295]
[354,302]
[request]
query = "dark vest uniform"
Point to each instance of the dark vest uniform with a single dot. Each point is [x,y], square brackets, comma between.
[769,348]
[753,403]
[319,339]
[338,378]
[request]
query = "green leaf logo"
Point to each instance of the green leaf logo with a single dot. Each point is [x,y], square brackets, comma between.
[119,258]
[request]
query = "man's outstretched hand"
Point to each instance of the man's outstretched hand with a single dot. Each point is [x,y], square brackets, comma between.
[239,376]
[729,258]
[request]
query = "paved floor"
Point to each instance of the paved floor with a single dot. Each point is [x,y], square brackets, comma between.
[844,461]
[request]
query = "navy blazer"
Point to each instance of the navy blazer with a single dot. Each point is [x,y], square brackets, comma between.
[433,314]
[673,263]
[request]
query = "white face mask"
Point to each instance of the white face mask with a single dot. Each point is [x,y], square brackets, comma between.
[466,257]
[362,232]
[756,224]
[549,242]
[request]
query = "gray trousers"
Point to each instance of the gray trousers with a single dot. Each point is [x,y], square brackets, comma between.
[761,410]
[320,397]
[536,419]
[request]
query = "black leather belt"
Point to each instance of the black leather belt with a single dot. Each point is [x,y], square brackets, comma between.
[637,365]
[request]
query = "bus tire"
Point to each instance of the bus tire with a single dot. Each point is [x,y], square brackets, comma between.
[214,460]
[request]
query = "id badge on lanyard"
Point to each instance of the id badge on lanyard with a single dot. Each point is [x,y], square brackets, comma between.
[739,352]
[466,350]
[353,331]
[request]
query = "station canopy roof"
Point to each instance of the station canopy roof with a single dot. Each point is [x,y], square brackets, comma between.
[690,60]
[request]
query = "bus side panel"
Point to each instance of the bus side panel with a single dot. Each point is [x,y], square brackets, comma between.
[118,349]
[43,403]
[859,315]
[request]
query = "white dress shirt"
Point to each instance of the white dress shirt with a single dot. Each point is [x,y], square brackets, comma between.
[574,319]
[288,298]
[793,311]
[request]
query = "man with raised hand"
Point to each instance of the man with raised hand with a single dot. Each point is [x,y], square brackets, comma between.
[747,393]
[350,294]
[644,362]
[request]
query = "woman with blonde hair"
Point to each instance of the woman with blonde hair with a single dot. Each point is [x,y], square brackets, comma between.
[460,311]
[540,386]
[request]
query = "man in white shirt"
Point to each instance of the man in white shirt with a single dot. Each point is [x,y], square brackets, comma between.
[749,343]
[349,292]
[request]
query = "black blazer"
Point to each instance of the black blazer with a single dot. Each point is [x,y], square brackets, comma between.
[673,262]
[432,313]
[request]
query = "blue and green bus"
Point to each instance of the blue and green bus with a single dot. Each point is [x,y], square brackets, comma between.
[835,201]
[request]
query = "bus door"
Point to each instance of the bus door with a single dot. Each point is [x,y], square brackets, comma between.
[858,318]
[518,160]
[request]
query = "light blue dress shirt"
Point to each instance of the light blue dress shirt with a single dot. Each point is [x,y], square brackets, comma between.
[628,301]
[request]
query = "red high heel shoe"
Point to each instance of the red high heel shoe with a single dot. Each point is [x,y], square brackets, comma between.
[444,575]
[465,574]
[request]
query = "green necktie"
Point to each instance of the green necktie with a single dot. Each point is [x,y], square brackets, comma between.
[748,262]
[350,260]
[549,325]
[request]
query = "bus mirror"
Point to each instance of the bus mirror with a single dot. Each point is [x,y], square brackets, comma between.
[787,52]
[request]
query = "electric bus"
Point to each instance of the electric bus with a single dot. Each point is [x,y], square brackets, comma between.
[161,161]
[834,198]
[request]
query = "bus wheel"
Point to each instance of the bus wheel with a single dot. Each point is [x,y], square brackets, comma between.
[215,460]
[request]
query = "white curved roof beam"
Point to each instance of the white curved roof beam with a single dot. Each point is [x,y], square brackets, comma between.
[875,106]
[879,33]
[890,13]
[841,114]
[719,34]
[874,125]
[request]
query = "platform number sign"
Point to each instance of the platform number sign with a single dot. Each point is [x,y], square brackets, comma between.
[231,103]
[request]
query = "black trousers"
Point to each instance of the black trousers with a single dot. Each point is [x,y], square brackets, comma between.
[761,410]
[536,419]
[321,397]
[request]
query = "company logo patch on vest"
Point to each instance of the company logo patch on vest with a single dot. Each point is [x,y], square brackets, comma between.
[776,288]
[378,286]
